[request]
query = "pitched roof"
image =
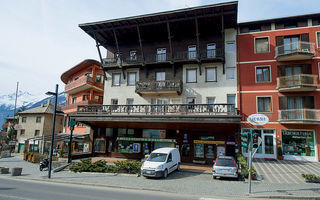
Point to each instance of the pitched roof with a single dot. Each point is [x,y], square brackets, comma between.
[43,109]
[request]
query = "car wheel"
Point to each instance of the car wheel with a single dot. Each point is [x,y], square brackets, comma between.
[214,177]
[41,168]
[165,174]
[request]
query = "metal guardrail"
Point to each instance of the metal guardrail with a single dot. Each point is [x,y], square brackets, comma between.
[295,47]
[307,80]
[299,114]
[161,109]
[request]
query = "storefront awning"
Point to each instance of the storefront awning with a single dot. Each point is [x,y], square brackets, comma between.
[146,139]
[208,142]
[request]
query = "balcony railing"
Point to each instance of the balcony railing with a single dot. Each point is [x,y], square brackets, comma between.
[300,80]
[81,81]
[292,115]
[163,109]
[294,48]
[159,86]
[87,102]
[165,57]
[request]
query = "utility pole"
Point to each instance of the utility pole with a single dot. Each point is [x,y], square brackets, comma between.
[15,104]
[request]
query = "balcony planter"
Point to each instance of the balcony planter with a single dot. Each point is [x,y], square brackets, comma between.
[4,170]
[16,171]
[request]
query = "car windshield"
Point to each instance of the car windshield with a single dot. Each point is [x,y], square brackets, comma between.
[157,157]
[224,162]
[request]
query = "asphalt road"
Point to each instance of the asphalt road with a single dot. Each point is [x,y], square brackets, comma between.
[39,190]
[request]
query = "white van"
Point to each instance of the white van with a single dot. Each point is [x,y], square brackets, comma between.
[161,162]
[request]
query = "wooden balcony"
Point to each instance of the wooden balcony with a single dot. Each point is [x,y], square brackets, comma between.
[299,116]
[159,87]
[213,55]
[295,51]
[74,106]
[297,83]
[83,83]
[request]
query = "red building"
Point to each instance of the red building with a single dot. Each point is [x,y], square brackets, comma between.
[84,86]
[278,76]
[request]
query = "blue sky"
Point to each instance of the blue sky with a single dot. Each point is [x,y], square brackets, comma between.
[40,39]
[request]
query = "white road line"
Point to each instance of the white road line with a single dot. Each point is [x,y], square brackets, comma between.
[290,171]
[203,198]
[279,171]
[315,165]
[274,178]
[305,167]
[14,197]
[295,170]
[262,169]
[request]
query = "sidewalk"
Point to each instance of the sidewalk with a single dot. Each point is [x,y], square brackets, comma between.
[178,182]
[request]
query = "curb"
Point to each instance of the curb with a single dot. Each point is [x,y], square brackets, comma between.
[285,197]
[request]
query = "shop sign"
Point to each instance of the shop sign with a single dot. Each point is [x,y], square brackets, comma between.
[154,133]
[298,134]
[12,143]
[146,139]
[231,143]
[136,148]
[258,119]
[208,142]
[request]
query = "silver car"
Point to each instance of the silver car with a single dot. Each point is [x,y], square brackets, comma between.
[225,166]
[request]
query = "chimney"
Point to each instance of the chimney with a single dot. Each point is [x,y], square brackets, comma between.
[49,102]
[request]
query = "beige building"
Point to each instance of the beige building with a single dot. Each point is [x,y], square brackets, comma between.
[35,125]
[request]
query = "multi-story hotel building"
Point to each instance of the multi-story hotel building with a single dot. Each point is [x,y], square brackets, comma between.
[170,81]
[84,86]
[278,71]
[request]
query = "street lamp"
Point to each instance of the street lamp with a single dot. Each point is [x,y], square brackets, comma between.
[53,126]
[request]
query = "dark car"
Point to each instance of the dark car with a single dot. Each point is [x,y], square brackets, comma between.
[225,166]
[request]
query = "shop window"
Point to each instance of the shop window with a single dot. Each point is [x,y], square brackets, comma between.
[264,104]
[125,146]
[211,74]
[210,151]
[298,143]
[191,75]
[109,132]
[38,119]
[185,150]
[123,132]
[262,45]
[263,74]
[111,146]
[100,146]
[198,150]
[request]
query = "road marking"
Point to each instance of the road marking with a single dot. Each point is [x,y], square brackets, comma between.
[264,173]
[203,198]
[270,173]
[294,171]
[283,173]
[15,197]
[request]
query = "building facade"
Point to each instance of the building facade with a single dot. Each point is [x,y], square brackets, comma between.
[170,81]
[278,63]
[84,86]
[35,128]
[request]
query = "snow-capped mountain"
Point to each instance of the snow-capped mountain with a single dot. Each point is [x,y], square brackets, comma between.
[24,99]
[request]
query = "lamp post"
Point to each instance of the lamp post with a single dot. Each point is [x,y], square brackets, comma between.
[53,126]
[71,123]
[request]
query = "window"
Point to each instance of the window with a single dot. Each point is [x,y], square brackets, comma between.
[230,47]
[85,97]
[24,119]
[191,75]
[36,132]
[262,45]
[88,74]
[161,54]
[318,39]
[22,132]
[114,102]
[76,78]
[160,76]
[74,100]
[116,79]
[192,52]
[230,73]
[38,119]
[70,80]
[123,132]
[298,142]
[131,78]
[109,132]
[231,99]
[133,55]
[319,69]
[129,103]
[211,74]
[100,145]
[264,104]
[211,50]
[191,101]
[263,74]
[99,78]
[291,44]
[211,100]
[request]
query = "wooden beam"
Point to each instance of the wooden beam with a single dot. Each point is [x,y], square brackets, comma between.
[140,43]
[198,43]
[169,38]
[101,60]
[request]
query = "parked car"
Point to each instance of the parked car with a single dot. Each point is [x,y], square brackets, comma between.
[225,166]
[161,162]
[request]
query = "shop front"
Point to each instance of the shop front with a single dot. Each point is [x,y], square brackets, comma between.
[299,144]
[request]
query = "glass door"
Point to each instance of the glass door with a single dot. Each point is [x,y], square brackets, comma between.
[268,145]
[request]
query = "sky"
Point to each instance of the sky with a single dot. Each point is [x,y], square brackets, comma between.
[41,39]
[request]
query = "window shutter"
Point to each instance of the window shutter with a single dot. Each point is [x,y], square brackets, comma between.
[308,102]
[279,42]
[283,103]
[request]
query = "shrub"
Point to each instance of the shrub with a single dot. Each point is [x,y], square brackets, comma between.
[130,167]
[280,153]
[311,177]
[244,167]
[37,157]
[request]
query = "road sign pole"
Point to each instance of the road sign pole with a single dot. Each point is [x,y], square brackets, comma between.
[250,161]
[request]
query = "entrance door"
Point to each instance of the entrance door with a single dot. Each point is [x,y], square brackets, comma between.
[292,75]
[269,146]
